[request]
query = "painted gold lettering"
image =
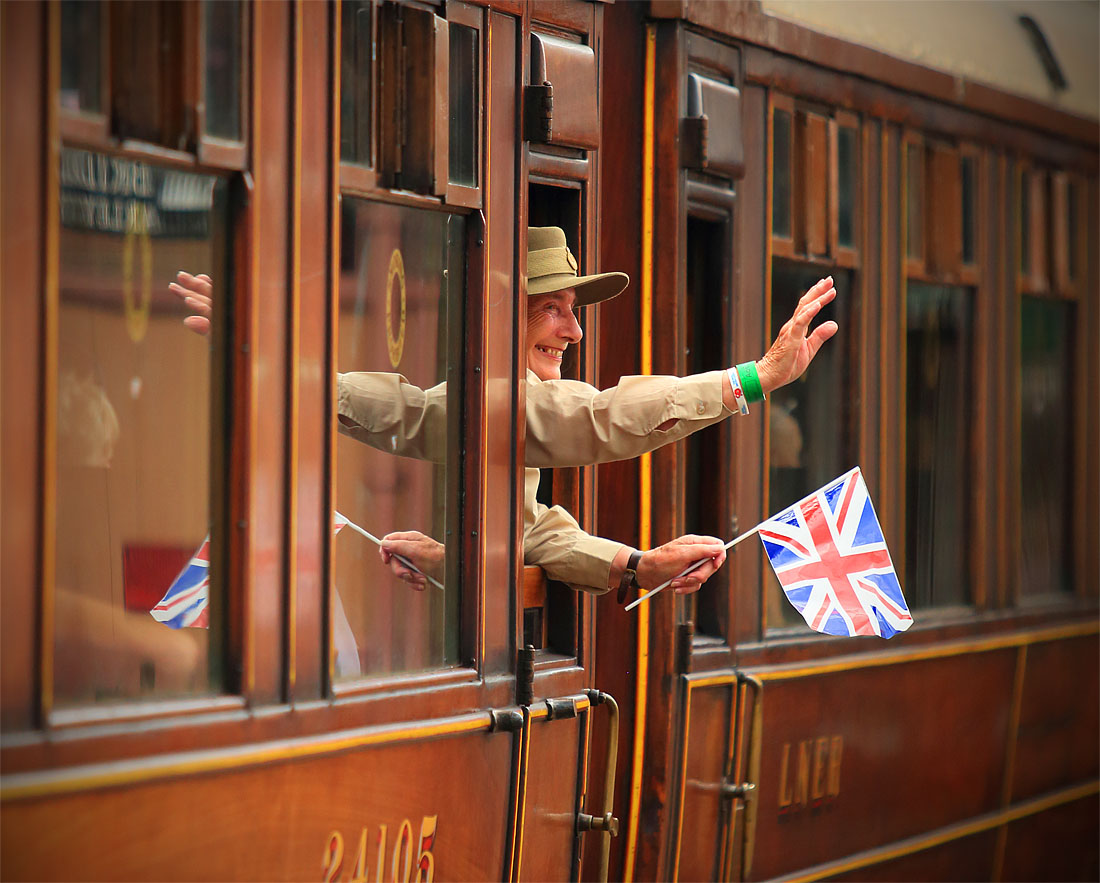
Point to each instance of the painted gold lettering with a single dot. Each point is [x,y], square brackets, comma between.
[821,751]
[836,749]
[333,857]
[785,795]
[382,833]
[359,872]
[425,863]
[404,840]
[802,792]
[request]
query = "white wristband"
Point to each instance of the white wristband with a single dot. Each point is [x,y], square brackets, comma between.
[738,393]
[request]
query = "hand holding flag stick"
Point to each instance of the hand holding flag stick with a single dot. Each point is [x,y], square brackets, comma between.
[830,556]
[690,568]
[399,557]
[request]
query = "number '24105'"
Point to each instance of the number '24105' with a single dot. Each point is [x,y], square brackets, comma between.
[403,868]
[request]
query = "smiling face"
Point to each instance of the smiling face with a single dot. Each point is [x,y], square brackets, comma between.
[551,327]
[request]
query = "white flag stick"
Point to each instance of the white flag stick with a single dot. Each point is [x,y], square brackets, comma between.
[730,544]
[400,558]
[691,567]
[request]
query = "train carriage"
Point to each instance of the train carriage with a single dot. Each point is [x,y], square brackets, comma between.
[356,178]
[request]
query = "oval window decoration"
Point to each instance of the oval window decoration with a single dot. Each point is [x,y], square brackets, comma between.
[137,314]
[396,275]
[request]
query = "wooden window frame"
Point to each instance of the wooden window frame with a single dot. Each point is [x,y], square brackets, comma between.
[781,246]
[971,274]
[226,153]
[845,256]
[1034,228]
[470,16]
[914,266]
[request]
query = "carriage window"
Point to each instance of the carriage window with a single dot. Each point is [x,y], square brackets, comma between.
[1046,455]
[914,201]
[969,205]
[939,344]
[706,512]
[134,428]
[357,61]
[222,34]
[810,422]
[400,308]
[847,149]
[80,56]
[781,173]
[464,105]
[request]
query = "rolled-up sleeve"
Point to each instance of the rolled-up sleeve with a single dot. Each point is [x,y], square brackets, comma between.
[554,541]
[573,424]
[387,412]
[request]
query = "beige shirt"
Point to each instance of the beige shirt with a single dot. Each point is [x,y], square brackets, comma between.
[568,424]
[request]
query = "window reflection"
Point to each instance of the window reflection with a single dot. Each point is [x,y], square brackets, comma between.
[1046,426]
[399,308]
[810,422]
[133,426]
[781,173]
[939,347]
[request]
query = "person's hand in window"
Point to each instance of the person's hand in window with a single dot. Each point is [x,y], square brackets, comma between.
[418,548]
[197,294]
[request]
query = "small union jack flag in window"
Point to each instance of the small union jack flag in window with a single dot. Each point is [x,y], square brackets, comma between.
[830,556]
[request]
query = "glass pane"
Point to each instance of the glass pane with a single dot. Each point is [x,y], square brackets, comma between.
[940,342]
[781,174]
[706,304]
[401,290]
[969,196]
[811,421]
[1046,429]
[464,103]
[222,24]
[80,55]
[356,54]
[133,431]
[847,152]
[914,195]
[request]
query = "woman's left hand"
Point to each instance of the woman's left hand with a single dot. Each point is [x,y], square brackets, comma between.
[794,348]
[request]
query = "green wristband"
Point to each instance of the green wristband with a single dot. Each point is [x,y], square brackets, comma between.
[750,382]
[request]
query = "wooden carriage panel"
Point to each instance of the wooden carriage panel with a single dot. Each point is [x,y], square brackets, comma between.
[24,29]
[1059,718]
[967,858]
[547,825]
[291,819]
[703,818]
[1059,844]
[929,736]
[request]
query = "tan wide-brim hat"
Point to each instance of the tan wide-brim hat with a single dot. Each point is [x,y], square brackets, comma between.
[552,267]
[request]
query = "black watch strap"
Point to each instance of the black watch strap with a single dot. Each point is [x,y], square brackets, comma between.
[630,575]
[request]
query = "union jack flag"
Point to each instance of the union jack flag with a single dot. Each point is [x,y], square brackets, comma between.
[186,604]
[830,556]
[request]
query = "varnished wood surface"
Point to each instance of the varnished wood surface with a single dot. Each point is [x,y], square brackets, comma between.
[273,822]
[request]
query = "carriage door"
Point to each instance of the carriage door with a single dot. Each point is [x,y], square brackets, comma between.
[561,133]
[704,297]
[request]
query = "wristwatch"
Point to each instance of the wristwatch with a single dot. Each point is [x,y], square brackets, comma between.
[630,575]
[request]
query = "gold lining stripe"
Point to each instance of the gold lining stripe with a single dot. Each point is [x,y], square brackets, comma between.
[769,215]
[50,320]
[521,815]
[294,332]
[724,680]
[332,304]
[645,466]
[917,654]
[25,786]
[247,543]
[946,834]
